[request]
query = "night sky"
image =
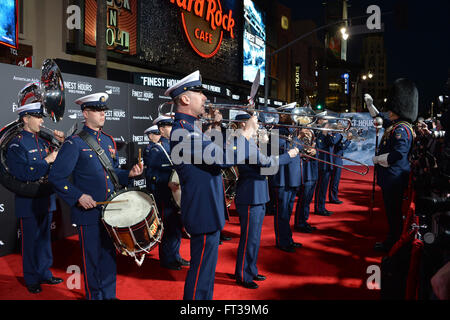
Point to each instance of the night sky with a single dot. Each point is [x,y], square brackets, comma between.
[421,52]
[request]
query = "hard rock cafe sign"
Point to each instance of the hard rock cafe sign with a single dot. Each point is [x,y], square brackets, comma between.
[204,23]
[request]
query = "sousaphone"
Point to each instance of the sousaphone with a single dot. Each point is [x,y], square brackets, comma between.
[50,92]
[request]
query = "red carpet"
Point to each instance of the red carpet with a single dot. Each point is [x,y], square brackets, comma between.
[331,265]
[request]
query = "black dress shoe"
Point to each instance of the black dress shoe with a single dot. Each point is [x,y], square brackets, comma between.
[304,229]
[52,280]
[381,247]
[248,285]
[184,263]
[224,237]
[259,277]
[337,201]
[322,213]
[175,265]
[296,244]
[34,288]
[289,249]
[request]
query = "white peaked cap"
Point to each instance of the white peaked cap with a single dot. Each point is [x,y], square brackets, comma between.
[194,80]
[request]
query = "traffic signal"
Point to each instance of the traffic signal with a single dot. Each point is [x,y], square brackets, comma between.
[319,107]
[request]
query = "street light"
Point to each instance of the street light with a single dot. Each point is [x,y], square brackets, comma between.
[344,33]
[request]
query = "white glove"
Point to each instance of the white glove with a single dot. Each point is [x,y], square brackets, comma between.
[369,103]
[375,160]
[381,160]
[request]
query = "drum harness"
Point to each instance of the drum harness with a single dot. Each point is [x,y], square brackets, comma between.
[91,142]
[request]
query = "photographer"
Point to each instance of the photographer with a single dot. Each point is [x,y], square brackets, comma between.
[431,172]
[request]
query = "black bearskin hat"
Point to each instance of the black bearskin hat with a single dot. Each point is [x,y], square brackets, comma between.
[403,99]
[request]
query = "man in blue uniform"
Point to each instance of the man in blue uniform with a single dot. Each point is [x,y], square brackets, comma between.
[91,183]
[324,141]
[153,135]
[252,194]
[309,168]
[198,161]
[335,177]
[391,162]
[285,186]
[160,164]
[29,158]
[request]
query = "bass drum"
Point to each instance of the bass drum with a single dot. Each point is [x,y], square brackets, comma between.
[132,221]
[32,189]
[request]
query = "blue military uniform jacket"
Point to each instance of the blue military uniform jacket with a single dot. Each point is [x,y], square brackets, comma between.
[339,146]
[288,175]
[396,141]
[202,191]
[76,158]
[150,178]
[25,160]
[325,143]
[310,170]
[252,187]
[159,168]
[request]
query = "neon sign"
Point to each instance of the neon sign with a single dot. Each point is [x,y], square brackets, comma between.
[204,23]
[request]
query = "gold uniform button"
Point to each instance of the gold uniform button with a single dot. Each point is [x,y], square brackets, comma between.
[107,177]
[66,188]
[34,158]
[90,156]
[109,190]
[31,168]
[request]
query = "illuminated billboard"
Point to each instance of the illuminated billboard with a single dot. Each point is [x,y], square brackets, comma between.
[254,39]
[8,23]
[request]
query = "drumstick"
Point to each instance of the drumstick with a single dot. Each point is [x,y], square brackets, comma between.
[108,202]
[140,157]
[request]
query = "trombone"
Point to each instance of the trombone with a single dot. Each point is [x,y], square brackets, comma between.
[304,154]
[301,117]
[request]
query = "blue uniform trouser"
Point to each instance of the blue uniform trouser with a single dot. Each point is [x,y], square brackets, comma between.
[199,284]
[393,199]
[333,189]
[284,201]
[169,248]
[36,248]
[304,199]
[99,262]
[251,219]
[321,191]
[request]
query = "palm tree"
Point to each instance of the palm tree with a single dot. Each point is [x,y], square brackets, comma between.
[101,52]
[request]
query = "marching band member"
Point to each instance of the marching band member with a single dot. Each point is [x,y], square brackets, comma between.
[309,179]
[285,185]
[153,135]
[29,158]
[335,177]
[92,183]
[324,141]
[391,162]
[159,162]
[252,194]
[202,193]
